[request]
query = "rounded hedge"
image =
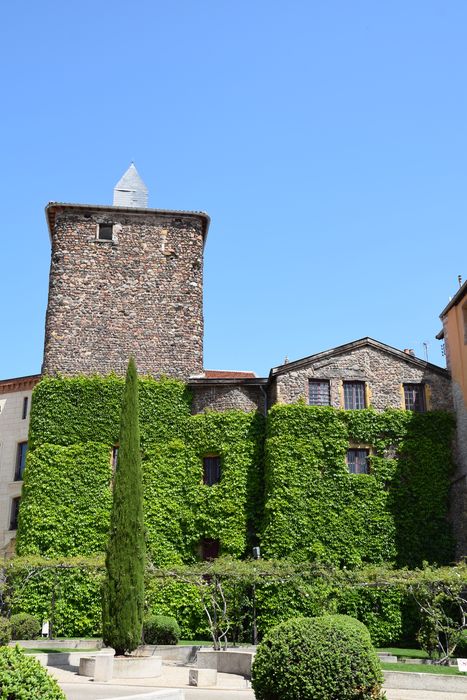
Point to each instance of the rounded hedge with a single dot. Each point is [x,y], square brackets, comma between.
[24,626]
[5,631]
[161,629]
[23,678]
[320,658]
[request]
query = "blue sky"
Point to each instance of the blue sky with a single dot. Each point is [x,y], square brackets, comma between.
[327,140]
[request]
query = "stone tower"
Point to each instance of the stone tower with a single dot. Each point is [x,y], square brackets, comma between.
[125,280]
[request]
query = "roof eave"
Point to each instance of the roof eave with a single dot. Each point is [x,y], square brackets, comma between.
[347,347]
[458,296]
[52,207]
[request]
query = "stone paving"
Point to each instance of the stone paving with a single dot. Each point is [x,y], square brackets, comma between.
[229,687]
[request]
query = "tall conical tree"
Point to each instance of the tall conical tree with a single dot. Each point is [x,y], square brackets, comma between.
[123,590]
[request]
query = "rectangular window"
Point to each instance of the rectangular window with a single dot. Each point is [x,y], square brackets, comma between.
[105,232]
[211,470]
[414,397]
[209,549]
[114,458]
[319,393]
[354,395]
[21,452]
[357,461]
[14,513]
[25,407]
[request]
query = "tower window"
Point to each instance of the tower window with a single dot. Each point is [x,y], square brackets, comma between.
[211,470]
[105,232]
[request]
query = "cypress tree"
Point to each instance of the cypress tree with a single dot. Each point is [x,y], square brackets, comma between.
[123,589]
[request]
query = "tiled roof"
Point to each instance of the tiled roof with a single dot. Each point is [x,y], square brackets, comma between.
[227,374]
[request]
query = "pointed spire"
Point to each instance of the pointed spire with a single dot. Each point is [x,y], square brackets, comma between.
[130,190]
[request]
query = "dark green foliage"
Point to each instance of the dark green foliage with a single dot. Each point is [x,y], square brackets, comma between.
[5,631]
[24,626]
[320,658]
[161,629]
[315,509]
[23,678]
[123,590]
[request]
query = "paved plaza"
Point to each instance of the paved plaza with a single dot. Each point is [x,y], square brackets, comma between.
[229,687]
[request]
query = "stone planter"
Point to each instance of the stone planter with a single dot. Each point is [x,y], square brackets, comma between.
[137,666]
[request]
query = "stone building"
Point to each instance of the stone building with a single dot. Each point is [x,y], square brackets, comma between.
[15,405]
[128,280]
[125,280]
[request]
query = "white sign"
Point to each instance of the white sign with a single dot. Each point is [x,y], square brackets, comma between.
[462,665]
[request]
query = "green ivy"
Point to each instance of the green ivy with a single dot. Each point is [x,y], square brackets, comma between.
[287,488]
[316,509]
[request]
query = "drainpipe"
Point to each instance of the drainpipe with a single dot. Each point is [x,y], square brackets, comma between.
[265,399]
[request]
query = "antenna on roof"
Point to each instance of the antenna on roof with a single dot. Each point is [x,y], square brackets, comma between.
[459,279]
[425,345]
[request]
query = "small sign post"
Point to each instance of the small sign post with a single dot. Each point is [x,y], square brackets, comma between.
[462,665]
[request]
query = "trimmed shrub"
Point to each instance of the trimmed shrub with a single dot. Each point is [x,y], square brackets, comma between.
[23,678]
[5,631]
[161,629]
[24,626]
[320,658]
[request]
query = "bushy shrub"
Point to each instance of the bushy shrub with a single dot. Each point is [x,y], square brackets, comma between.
[5,631]
[24,626]
[319,658]
[161,629]
[23,678]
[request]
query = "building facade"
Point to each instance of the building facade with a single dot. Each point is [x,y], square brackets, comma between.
[15,406]
[454,334]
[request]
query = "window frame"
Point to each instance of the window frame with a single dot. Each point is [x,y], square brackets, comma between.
[208,544]
[315,381]
[24,413]
[358,449]
[354,383]
[419,401]
[14,513]
[101,226]
[212,475]
[21,454]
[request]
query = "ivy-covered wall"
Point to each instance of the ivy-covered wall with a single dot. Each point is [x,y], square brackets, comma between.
[67,483]
[288,489]
[314,508]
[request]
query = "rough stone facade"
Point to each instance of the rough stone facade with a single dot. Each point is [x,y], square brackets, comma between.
[139,294]
[384,372]
[210,396]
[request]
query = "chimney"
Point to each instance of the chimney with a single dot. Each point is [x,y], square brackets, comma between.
[409,351]
[130,190]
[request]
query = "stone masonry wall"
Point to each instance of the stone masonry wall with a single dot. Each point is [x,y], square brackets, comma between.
[140,294]
[383,374]
[226,398]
